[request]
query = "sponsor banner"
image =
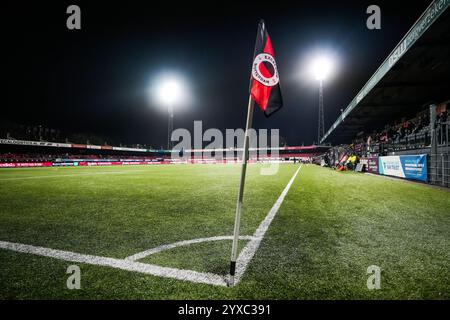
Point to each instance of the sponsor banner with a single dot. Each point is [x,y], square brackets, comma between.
[64,164]
[371,164]
[120,163]
[35,143]
[25,164]
[130,163]
[412,167]
[103,163]
[84,160]
[59,145]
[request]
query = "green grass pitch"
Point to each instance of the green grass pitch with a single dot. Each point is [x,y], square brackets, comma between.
[329,229]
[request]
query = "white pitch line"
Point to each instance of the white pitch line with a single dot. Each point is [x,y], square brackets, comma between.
[143,254]
[250,249]
[180,274]
[71,175]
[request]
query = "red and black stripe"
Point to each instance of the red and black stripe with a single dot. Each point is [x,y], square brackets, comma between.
[268,98]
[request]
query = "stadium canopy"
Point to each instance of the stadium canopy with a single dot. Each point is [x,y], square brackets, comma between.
[414,75]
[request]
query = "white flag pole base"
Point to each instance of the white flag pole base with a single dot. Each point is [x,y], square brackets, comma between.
[231,281]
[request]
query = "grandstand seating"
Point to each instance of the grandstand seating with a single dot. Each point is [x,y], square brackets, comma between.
[410,134]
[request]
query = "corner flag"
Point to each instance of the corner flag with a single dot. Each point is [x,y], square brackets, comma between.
[265,82]
[265,91]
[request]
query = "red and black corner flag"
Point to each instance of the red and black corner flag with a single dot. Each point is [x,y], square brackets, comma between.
[265,92]
[265,81]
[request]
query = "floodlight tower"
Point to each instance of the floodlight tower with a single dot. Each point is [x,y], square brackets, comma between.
[321,69]
[321,125]
[170,128]
[170,93]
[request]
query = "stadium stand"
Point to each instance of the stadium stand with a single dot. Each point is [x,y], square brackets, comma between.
[34,132]
[24,153]
[25,145]
[411,88]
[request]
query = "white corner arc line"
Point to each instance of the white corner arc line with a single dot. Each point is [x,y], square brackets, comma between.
[143,254]
[180,274]
[250,249]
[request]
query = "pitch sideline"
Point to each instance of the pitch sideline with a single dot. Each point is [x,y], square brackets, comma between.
[250,249]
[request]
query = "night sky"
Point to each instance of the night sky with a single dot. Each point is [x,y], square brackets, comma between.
[96,80]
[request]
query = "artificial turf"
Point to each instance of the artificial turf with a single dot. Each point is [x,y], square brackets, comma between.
[330,228]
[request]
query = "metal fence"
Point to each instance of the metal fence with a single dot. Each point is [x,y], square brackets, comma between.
[442,134]
[439,169]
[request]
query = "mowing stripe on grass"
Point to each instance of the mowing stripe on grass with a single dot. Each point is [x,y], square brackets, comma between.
[249,250]
[186,275]
[143,254]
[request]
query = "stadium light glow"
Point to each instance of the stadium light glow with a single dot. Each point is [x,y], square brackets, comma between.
[321,67]
[170,91]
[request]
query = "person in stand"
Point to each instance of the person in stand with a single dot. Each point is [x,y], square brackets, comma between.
[351,162]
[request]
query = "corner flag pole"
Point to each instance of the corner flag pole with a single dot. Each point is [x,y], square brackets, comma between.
[265,92]
[237,220]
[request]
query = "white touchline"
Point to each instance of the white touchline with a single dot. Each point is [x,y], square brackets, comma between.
[130,263]
[249,250]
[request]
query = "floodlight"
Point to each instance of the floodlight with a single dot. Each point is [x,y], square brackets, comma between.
[170,91]
[321,68]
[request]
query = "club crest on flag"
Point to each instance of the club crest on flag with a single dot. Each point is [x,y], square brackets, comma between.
[265,80]
[265,70]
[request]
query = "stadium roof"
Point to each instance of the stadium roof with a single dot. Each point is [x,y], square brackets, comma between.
[415,74]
